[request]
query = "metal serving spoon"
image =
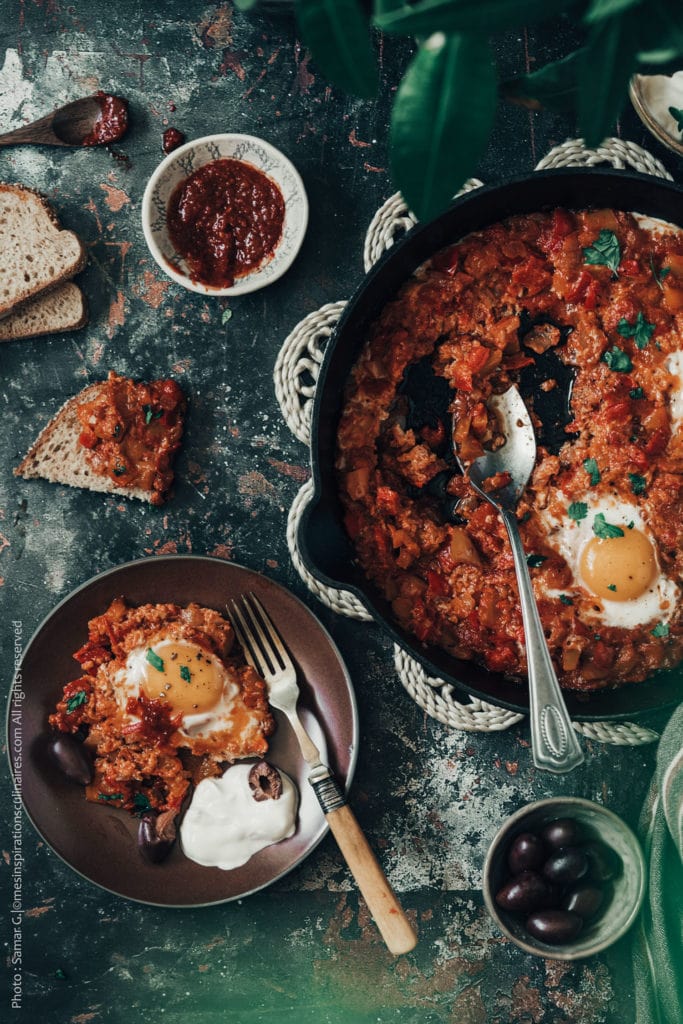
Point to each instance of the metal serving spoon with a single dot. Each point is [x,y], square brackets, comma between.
[69,125]
[555,746]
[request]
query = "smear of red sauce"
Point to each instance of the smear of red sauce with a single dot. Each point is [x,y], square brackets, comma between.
[225,220]
[171,139]
[112,122]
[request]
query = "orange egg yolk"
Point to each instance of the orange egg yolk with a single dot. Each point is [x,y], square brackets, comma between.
[184,675]
[619,568]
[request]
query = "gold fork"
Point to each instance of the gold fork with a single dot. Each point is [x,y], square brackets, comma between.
[265,651]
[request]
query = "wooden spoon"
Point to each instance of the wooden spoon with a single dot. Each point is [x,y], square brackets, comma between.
[73,124]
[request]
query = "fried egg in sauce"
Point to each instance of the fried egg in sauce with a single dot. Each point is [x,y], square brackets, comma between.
[613,557]
[195,684]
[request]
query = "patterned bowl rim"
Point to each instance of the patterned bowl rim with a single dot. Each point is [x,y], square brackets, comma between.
[255,280]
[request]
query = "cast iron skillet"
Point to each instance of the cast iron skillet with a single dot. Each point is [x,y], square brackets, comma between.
[325,547]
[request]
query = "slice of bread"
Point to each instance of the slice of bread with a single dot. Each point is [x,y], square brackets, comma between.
[61,309]
[35,253]
[58,456]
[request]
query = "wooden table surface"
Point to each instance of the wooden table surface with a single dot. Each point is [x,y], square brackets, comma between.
[303,951]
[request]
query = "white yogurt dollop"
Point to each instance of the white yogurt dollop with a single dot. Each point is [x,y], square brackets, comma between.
[224,826]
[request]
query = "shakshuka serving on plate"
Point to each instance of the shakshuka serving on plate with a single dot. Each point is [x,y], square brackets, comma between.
[584,311]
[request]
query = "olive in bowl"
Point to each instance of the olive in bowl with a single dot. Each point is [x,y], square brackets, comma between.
[564,878]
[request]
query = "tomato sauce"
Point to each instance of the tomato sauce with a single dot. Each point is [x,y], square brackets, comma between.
[225,220]
[605,294]
[131,432]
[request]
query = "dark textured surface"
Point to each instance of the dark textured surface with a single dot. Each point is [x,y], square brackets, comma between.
[429,799]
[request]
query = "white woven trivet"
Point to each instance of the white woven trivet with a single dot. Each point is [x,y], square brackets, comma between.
[296,374]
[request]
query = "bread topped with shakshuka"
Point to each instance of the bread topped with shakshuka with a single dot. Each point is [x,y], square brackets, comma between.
[117,436]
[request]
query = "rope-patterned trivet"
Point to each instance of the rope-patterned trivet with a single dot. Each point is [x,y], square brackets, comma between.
[296,373]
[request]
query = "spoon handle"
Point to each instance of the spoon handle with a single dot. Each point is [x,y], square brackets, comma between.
[38,133]
[554,743]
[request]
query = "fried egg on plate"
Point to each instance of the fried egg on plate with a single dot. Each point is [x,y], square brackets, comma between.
[195,683]
[621,573]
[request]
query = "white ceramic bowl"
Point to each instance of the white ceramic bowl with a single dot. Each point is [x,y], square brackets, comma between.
[188,158]
[627,889]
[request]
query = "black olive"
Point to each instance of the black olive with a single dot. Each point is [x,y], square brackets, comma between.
[566,866]
[525,892]
[563,832]
[554,926]
[603,863]
[156,835]
[526,853]
[72,758]
[585,900]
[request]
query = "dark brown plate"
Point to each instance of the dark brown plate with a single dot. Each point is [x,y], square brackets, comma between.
[100,843]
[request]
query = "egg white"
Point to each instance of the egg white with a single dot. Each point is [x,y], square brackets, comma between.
[569,537]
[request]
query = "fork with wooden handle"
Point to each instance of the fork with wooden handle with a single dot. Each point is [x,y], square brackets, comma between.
[265,651]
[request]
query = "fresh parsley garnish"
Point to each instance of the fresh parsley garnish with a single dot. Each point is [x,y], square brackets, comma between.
[141,803]
[185,673]
[604,251]
[227,315]
[677,115]
[533,561]
[605,530]
[591,467]
[641,331]
[636,393]
[618,360]
[150,414]
[76,701]
[638,483]
[661,629]
[119,469]
[578,510]
[566,599]
[612,586]
[659,277]
[110,796]
[154,660]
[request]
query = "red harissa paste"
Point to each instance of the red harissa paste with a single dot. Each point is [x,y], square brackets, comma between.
[225,220]
[112,122]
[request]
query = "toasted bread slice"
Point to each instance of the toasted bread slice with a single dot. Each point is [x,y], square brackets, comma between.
[61,309]
[35,253]
[58,456]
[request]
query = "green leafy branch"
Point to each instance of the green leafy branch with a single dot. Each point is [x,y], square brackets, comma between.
[444,108]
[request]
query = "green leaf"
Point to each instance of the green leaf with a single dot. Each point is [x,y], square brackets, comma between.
[442,117]
[641,331]
[154,660]
[636,393]
[612,586]
[591,467]
[338,35]
[110,796]
[141,803]
[638,483]
[660,31]
[678,117]
[618,360]
[600,9]
[566,599]
[659,276]
[554,87]
[661,629]
[533,561]
[227,315]
[185,674]
[578,510]
[428,16]
[605,530]
[76,701]
[604,251]
[606,67]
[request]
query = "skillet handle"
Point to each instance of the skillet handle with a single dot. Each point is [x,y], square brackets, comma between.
[390,918]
